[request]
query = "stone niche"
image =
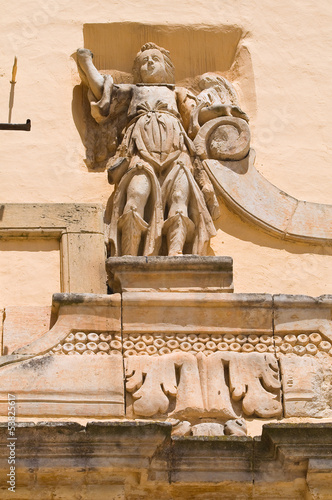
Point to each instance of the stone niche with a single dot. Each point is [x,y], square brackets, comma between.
[214,46]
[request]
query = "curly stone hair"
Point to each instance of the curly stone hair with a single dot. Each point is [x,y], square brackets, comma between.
[219,83]
[169,67]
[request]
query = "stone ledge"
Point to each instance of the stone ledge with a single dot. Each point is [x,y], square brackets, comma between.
[282,447]
[129,460]
[25,218]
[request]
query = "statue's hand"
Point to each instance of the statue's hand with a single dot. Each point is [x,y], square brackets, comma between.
[84,55]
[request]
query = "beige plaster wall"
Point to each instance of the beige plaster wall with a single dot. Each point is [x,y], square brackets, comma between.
[29,271]
[286,87]
[264,264]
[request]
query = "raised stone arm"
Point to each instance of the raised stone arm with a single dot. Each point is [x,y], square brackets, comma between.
[89,73]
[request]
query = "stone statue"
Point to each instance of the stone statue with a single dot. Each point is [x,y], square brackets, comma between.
[164,202]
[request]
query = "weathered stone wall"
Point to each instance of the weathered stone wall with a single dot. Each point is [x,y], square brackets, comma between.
[140,460]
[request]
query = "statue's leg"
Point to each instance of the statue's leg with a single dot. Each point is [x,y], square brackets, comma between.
[179,197]
[132,223]
[138,191]
[178,223]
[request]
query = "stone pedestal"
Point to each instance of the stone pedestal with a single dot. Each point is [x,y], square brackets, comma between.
[188,273]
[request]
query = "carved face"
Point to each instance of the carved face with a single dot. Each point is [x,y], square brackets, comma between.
[152,66]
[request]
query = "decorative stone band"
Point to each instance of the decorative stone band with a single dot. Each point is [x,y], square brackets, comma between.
[302,343]
[90,343]
[158,345]
[106,343]
[242,357]
[258,201]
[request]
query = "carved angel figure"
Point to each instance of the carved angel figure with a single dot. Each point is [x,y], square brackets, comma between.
[164,202]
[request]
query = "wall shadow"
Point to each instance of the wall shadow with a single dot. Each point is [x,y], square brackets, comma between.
[194,49]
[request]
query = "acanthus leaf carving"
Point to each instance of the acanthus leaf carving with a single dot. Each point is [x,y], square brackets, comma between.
[199,384]
[253,378]
[150,382]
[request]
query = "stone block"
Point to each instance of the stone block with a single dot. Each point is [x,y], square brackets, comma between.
[303,340]
[319,477]
[91,247]
[208,429]
[212,460]
[24,324]
[196,313]
[53,386]
[86,313]
[75,368]
[306,385]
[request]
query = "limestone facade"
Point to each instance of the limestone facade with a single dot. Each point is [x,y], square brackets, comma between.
[137,362]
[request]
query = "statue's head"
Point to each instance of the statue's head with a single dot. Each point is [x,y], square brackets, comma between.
[211,80]
[222,86]
[152,64]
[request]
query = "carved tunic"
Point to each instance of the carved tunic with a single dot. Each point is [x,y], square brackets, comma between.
[155,126]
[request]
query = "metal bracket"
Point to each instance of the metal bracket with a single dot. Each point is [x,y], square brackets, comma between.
[16,126]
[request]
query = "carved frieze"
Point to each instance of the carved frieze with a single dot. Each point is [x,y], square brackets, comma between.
[192,343]
[191,359]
